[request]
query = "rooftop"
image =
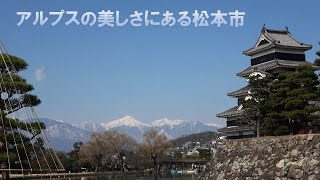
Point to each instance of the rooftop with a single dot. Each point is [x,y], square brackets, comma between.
[271,65]
[270,38]
[240,92]
[235,111]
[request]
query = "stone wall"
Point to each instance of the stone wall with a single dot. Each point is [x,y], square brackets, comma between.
[286,157]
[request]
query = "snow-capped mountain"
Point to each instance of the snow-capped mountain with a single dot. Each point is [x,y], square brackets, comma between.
[128,125]
[92,127]
[177,128]
[215,125]
[125,121]
[63,135]
[166,122]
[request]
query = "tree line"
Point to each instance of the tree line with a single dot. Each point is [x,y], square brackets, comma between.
[116,151]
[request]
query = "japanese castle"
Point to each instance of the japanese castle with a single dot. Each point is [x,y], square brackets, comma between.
[275,51]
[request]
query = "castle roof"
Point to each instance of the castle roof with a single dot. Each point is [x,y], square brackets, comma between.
[270,38]
[276,63]
[240,92]
[235,111]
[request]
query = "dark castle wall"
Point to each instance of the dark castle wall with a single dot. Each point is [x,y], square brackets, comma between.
[278,55]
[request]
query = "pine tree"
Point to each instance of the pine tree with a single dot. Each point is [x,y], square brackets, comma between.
[317,61]
[15,134]
[316,116]
[289,104]
[255,105]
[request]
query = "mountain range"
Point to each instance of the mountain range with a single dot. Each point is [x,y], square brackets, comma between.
[63,135]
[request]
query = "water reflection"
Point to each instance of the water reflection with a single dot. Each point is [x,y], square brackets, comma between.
[161,176]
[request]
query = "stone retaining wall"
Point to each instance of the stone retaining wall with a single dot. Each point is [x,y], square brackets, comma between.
[287,157]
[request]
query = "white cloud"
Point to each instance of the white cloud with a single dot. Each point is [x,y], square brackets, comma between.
[40,74]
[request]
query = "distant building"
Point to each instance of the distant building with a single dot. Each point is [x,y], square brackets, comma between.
[275,51]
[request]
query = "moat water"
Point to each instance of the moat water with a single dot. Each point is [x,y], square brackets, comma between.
[137,177]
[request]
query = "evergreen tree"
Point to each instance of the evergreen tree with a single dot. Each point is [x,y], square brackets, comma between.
[316,116]
[72,162]
[289,107]
[16,135]
[317,61]
[255,104]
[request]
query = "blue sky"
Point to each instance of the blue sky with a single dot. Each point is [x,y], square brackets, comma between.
[101,74]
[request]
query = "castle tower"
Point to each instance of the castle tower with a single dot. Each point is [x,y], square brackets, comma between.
[275,51]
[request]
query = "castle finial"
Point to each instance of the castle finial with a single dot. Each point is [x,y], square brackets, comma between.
[263,27]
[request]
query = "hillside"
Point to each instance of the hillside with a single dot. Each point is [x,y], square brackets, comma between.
[202,137]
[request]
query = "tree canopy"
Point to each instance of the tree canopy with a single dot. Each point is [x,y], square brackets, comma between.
[290,101]
[154,146]
[109,148]
[317,61]
[255,104]
[285,104]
